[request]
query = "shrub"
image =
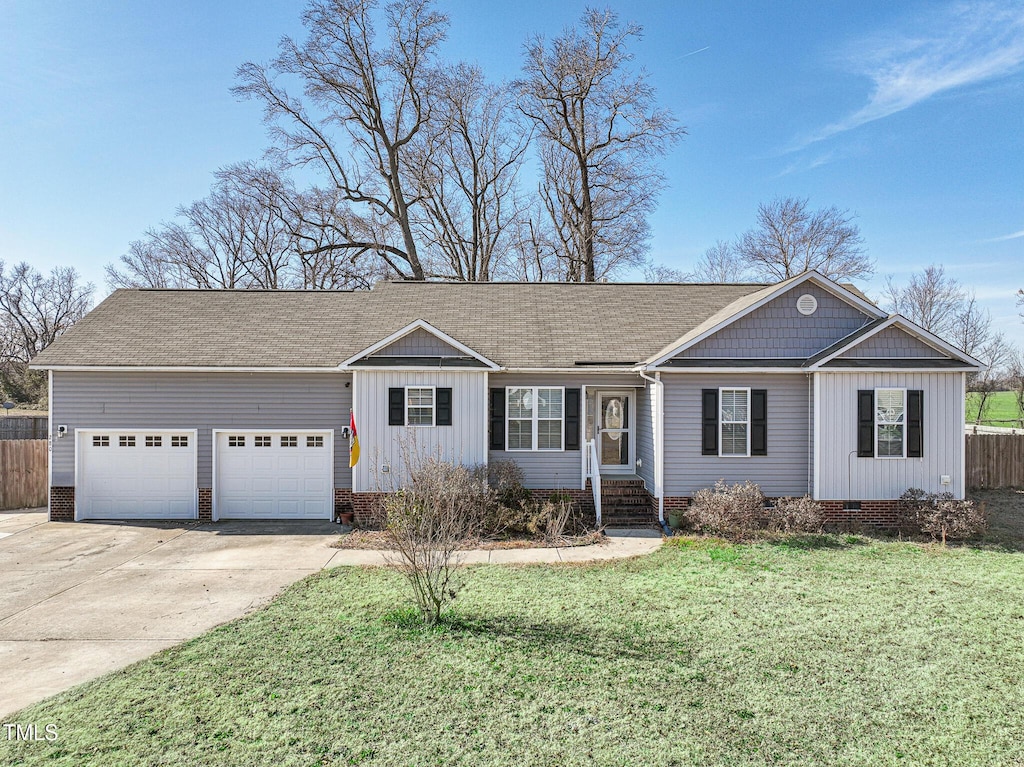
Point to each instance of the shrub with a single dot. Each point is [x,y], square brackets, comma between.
[795,515]
[556,517]
[728,510]
[940,515]
[425,525]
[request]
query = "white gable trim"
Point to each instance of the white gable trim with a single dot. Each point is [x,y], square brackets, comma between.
[419,325]
[902,323]
[783,287]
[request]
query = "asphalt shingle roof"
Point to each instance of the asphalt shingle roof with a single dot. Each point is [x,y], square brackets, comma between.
[517,325]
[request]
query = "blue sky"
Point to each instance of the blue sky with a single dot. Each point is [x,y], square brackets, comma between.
[910,115]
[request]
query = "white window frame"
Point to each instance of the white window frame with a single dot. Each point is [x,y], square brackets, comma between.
[722,422]
[902,424]
[535,419]
[433,407]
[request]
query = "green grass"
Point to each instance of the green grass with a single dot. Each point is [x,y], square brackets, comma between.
[834,650]
[1001,409]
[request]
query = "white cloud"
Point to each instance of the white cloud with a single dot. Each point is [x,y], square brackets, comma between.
[1005,237]
[960,46]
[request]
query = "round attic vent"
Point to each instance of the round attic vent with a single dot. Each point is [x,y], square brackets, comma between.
[807,304]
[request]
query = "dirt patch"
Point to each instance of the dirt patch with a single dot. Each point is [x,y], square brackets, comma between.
[375,539]
[1005,514]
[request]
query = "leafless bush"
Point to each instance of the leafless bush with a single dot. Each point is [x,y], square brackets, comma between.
[940,515]
[728,510]
[555,518]
[795,515]
[427,522]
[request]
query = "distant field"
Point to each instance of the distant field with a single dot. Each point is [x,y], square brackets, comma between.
[1001,411]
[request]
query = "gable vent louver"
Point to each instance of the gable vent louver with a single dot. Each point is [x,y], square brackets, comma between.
[807,304]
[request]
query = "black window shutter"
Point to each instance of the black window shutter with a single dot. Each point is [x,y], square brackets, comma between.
[497,419]
[709,422]
[866,423]
[759,422]
[915,423]
[572,419]
[396,406]
[444,407]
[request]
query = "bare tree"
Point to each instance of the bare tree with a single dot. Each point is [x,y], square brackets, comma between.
[238,236]
[789,239]
[1015,379]
[721,263]
[654,272]
[440,506]
[600,135]
[932,299]
[378,92]
[34,311]
[469,159]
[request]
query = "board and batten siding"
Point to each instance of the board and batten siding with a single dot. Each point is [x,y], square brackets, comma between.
[202,401]
[786,468]
[842,475]
[551,469]
[381,445]
[778,330]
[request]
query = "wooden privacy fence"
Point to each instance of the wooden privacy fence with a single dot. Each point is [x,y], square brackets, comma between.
[23,473]
[24,427]
[995,460]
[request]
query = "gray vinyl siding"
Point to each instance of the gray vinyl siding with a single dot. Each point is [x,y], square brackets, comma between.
[551,469]
[842,475]
[784,471]
[419,343]
[544,469]
[778,330]
[203,401]
[645,417]
[380,444]
[892,343]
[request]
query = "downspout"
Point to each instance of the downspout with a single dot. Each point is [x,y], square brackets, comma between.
[659,447]
[812,412]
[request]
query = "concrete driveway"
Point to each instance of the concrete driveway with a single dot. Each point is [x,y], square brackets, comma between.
[80,599]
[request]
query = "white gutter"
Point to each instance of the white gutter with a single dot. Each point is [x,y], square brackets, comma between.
[178,369]
[659,440]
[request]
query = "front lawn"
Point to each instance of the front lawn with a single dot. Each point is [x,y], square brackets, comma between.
[823,650]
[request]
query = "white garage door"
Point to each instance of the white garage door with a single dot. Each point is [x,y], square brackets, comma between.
[274,475]
[132,474]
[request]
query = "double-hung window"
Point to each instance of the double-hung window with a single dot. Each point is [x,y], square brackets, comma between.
[419,405]
[890,423]
[734,422]
[535,417]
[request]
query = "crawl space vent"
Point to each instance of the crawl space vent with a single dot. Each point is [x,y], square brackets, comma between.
[807,304]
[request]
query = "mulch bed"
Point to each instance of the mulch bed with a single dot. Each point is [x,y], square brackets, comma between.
[377,539]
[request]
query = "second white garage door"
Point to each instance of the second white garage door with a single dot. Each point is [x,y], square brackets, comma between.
[274,474]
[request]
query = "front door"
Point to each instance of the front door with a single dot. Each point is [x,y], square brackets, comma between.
[615,431]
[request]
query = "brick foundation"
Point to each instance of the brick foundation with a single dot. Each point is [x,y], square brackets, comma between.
[877,514]
[205,504]
[62,504]
[880,514]
[367,506]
